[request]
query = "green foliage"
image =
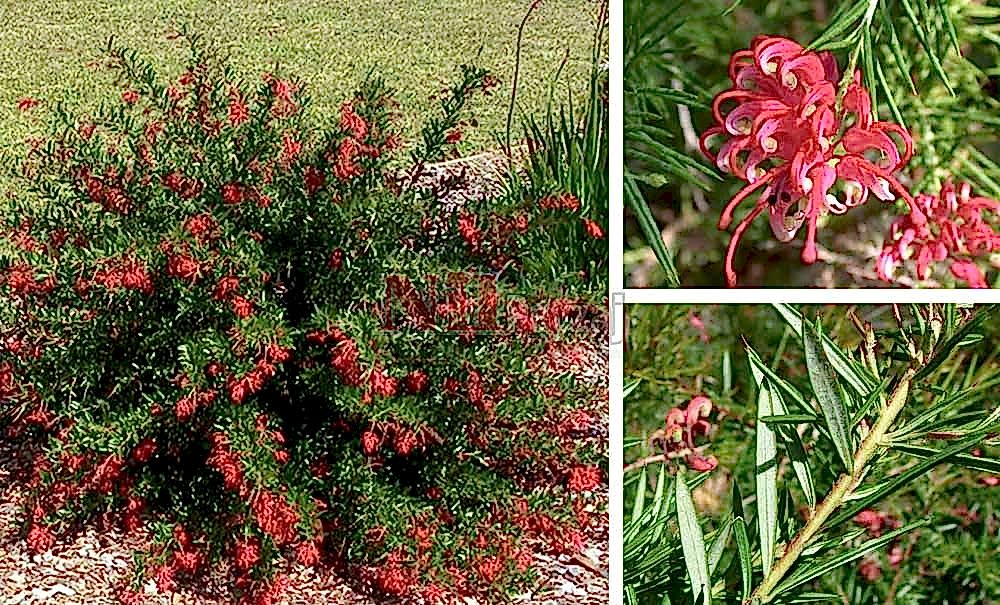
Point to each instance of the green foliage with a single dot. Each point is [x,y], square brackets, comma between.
[883,532]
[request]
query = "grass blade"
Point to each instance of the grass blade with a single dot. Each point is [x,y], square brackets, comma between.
[693,543]
[827,391]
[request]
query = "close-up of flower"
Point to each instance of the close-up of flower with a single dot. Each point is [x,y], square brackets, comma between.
[800,147]
[829,118]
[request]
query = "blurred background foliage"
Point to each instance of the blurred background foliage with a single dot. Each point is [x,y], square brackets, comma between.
[674,352]
[676,56]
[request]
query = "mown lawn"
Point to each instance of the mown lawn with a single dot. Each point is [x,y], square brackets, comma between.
[414,44]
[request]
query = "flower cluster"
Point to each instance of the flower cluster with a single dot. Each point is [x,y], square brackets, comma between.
[682,427]
[808,153]
[952,226]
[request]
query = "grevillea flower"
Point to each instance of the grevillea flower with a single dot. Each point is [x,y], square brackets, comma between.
[951,226]
[584,478]
[683,425]
[784,133]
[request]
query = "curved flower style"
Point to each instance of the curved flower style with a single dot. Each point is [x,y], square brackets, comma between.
[789,139]
[682,428]
[950,225]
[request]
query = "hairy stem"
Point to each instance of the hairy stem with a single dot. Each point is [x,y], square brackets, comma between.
[843,488]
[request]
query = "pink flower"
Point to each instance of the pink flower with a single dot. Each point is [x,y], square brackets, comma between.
[787,137]
[953,225]
[683,425]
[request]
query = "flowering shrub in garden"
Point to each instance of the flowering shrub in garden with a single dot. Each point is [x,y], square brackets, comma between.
[237,325]
[852,466]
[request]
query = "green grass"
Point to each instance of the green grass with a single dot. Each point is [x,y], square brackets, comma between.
[414,44]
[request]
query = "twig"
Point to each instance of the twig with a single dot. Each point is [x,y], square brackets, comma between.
[843,488]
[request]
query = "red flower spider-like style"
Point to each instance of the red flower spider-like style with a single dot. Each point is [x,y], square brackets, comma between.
[682,428]
[956,228]
[787,136]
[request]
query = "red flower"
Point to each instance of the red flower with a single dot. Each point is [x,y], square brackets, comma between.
[314,179]
[951,225]
[584,478]
[787,135]
[183,266]
[246,554]
[468,230]
[593,229]
[352,122]
[404,442]
[417,382]
[291,147]
[336,259]
[224,460]
[383,384]
[306,553]
[40,539]
[369,443]
[345,165]
[683,425]
[870,569]
[489,568]
[453,136]
[242,307]
[275,517]
[130,96]
[238,113]
[226,287]
[232,193]
[144,451]
[27,103]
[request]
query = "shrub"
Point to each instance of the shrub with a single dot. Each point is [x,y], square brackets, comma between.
[237,325]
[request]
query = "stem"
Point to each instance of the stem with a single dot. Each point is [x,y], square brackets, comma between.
[843,488]
[517,72]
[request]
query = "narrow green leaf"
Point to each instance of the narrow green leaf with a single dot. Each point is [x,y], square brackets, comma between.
[987,465]
[856,375]
[790,419]
[873,397]
[693,543]
[925,42]
[647,224]
[891,484]
[746,559]
[767,480]
[640,495]
[827,391]
[897,52]
[718,546]
[811,570]
[760,370]
[944,351]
